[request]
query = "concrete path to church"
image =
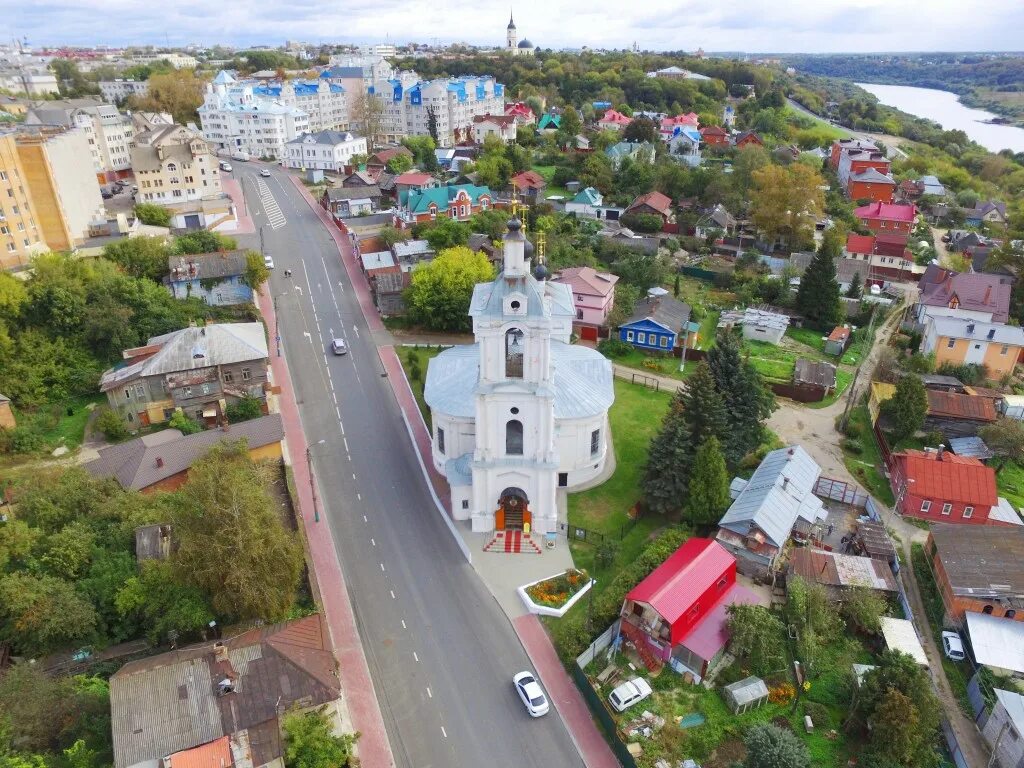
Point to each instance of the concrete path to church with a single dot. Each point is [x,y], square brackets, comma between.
[440,652]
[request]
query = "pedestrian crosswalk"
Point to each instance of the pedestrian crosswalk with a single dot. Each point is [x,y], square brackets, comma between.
[273,210]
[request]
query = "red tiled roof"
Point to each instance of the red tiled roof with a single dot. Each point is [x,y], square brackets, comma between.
[386,154]
[890,245]
[655,200]
[213,754]
[673,587]
[839,333]
[860,244]
[887,211]
[413,178]
[613,116]
[504,120]
[955,478]
[713,130]
[953,405]
[529,180]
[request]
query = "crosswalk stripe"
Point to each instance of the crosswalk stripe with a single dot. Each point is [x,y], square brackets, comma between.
[270,206]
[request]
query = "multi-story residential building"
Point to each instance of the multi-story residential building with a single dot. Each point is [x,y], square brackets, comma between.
[60,178]
[368,68]
[965,295]
[176,60]
[198,370]
[504,127]
[325,150]
[235,120]
[959,341]
[888,218]
[324,102]
[119,90]
[594,294]
[20,237]
[384,50]
[110,134]
[28,81]
[410,106]
[173,165]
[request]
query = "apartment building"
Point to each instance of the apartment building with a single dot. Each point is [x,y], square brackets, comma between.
[60,178]
[110,134]
[325,103]
[119,90]
[235,120]
[20,237]
[176,60]
[173,165]
[325,150]
[960,341]
[33,81]
[409,104]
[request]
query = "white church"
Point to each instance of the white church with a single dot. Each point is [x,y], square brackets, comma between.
[522,412]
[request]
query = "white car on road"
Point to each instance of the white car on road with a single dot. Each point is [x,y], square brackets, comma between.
[225,167]
[530,692]
[268,262]
[629,693]
[264,173]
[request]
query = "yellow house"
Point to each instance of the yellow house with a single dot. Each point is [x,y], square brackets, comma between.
[880,392]
[962,341]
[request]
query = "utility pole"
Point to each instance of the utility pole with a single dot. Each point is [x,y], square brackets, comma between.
[312,485]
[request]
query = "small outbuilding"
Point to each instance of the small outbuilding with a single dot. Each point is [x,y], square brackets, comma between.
[745,695]
[901,636]
[6,414]
[836,342]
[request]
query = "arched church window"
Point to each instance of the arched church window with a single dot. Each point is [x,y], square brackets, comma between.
[514,438]
[515,348]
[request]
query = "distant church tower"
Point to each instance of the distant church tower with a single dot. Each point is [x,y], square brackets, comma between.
[511,36]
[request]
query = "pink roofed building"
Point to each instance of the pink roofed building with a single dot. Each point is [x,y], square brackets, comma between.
[669,124]
[614,120]
[593,295]
[678,616]
[521,112]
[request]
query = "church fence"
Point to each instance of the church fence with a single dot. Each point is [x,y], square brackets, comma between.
[589,536]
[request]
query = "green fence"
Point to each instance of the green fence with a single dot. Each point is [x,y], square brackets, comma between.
[598,708]
[701,274]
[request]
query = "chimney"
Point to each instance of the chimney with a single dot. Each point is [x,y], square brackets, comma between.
[942,450]
[159,461]
[785,483]
[970,328]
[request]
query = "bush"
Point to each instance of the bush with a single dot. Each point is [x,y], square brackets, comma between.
[154,215]
[919,363]
[968,373]
[20,440]
[605,554]
[817,712]
[642,222]
[614,348]
[244,409]
[852,446]
[184,424]
[109,422]
[853,429]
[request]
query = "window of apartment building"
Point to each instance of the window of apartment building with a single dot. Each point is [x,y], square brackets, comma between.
[3,175]
[4,229]
[27,243]
[1005,348]
[10,247]
[176,193]
[950,343]
[21,226]
[925,506]
[947,508]
[246,374]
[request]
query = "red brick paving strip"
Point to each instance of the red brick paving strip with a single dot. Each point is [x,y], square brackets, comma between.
[374,749]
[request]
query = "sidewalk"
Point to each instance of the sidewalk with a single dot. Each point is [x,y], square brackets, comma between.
[357,687]
[244,226]
[570,704]
[644,378]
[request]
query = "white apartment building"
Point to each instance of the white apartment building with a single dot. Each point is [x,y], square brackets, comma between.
[118,90]
[235,120]
[176,60]
[326,150]
[173,165]
[408,104]
[370,69]
[31,81]
[325,103]
[385,50]
[110,134]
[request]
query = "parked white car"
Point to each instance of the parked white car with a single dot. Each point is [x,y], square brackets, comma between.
[530,692]
[629,693]
[952,646]
[225,167]
[268,262]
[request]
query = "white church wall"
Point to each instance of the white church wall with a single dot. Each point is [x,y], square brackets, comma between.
[459,438]
[573,445]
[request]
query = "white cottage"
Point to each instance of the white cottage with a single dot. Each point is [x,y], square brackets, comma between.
[522,412]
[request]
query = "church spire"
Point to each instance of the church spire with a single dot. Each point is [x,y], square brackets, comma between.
[511,23]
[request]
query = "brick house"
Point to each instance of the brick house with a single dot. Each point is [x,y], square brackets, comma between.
[594,295]
[198,370]
[677,615]
[978,569]
[747,139]
[871,184]
[840,146]
[853,162]
[888,218]
[714,136]
[161,461]
[652,204]
[942,487]
[459,202]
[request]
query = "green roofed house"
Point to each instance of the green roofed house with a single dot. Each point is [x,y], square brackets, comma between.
[458,202]
[549,122]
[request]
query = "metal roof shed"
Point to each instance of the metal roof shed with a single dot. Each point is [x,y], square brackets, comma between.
[744,695]
[998,642]
[900,635]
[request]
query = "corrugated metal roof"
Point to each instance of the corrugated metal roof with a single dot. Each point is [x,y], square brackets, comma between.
[971,447]
[954,478]
[780,491]
[673,587]
[834,569]
[953,405]
[900,635]
[997,641]
[981,560]
[582,381]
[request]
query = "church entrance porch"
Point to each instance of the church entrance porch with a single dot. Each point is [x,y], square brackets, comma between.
[513,512]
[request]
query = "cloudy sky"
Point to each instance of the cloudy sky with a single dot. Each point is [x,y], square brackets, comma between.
[733,25]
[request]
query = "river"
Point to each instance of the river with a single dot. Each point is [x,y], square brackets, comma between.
[945,109]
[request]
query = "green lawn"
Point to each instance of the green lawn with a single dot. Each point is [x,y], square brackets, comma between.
[548,172]
[1010,482]
[808,337]
[834,131]
[771,361]
[708,330]
[655,364]
[866,465]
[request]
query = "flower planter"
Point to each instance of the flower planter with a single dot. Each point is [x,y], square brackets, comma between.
[547,610]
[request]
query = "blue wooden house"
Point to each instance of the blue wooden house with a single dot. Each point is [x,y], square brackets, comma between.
[216,278]
[659,323]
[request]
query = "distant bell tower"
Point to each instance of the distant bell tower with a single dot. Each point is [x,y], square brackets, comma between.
[510,35]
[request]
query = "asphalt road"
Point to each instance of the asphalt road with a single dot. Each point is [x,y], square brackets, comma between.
[440,651]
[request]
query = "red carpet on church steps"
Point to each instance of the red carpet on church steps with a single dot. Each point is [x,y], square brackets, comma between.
[513,542]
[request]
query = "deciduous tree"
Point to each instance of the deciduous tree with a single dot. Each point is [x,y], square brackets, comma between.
[310,741]
[140,256]
[757,636]
[1006,439]
[438,296]
[256,272]
[864,608]
[41,614]
[179,92]
[786,202]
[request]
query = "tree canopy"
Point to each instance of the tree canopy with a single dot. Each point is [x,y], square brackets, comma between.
[818,299]
[439,294]
[905,411]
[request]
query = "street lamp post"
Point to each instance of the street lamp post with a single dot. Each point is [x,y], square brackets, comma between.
[277,323]
[312,480]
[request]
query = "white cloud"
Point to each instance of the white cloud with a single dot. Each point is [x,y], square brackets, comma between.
[737,25]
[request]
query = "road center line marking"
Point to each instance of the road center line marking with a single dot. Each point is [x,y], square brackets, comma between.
[337,410]
[373,542]
[444,732]
[364,519]
[359,496]
[392,594]
[403,624]
[429,694]
[353,475]
[345,439]
[416,657]
[382,567]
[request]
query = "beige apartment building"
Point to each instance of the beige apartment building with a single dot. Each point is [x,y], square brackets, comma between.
[110,134]
[174,165]
[61,180]
[20,237]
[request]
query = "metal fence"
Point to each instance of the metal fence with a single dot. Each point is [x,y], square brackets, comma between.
[839,490]
[595,702]
[954,746]
[589,536]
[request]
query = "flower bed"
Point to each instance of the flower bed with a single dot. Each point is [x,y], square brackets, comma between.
[556,594]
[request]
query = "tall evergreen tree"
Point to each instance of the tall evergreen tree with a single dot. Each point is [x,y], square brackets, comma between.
[818,296]
[748,402]
[855,291]
[709,484]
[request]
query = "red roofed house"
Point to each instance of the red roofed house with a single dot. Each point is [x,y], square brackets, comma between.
[414,181]
[502,126]
[843,145]
[378,160]
[855,161]
[714,136]
[943,487]
[888,218]
[871,184]
[677,615]
[887,257]
[528,186]
[521,112]
[669,124]
[836,342]
[594,296]
[614,120]
[653,204]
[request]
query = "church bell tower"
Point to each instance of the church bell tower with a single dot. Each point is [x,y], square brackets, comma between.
[510,35]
